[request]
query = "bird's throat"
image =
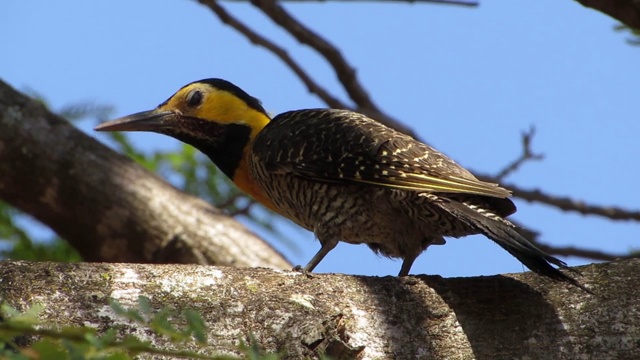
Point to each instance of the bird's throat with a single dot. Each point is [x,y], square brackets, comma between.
[224,144]
[228,147]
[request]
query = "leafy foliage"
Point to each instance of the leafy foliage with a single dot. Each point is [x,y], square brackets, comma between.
[83,342]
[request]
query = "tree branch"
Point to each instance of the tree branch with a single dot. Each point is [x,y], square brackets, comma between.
[83,190]
[566,203]
[439,2]
[526,155]
[563,203]
[260,40]
[494,317]
[567,251]
[585,253]
[344,71]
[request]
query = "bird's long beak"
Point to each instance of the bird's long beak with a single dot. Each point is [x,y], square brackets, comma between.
[152,120]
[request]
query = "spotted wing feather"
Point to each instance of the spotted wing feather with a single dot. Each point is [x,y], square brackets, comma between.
[344,146]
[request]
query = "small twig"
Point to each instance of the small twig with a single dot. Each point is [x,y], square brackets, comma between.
[534,236]
[444,2]
[526,155]
[585,253]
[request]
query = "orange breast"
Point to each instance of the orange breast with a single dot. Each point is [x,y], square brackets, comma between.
[242,178]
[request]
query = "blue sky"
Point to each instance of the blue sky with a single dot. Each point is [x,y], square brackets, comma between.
[468,80]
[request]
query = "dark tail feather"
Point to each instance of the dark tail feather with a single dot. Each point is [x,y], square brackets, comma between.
[509,239]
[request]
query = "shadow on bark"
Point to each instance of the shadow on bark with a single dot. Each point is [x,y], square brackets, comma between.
[521,322]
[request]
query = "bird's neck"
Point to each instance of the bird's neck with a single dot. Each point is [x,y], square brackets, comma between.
[231,151]
[242,174]
[228,148]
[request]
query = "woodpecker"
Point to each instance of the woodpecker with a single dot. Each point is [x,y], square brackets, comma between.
[341,175]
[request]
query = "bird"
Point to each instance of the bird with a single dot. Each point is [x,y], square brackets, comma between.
[342,175]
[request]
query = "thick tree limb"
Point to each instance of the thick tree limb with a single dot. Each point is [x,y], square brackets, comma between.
[83,190]
[498,317]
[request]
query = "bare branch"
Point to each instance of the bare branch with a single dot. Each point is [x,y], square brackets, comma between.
[585,253]
[527,155]
[311,85]
[566,203]
[562,203]
[345,72]
[566,251]
[260,40]
[440,2]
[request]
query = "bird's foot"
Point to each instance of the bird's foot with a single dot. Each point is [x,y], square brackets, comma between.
[302,270]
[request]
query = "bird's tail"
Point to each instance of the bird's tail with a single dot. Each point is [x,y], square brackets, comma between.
[504,234]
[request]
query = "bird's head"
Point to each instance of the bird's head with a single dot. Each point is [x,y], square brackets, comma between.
[213,115]
[199,110]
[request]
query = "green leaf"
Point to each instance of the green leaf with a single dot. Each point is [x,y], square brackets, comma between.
[8,311]
[196,326]
[160,324]
[117,356]
[49,350]
[144,304]
[130,314]
[26,318]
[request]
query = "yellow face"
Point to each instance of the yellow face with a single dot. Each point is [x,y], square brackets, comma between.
[215,116]
[206,102]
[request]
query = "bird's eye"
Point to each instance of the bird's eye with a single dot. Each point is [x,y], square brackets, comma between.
[194,98]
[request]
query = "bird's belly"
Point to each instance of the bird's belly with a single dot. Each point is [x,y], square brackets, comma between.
[317,206]
[351,213]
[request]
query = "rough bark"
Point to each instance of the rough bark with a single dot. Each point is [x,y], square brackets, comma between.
[496,317]
[83,190]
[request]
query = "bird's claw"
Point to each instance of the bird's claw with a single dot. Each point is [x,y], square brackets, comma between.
[302,270]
